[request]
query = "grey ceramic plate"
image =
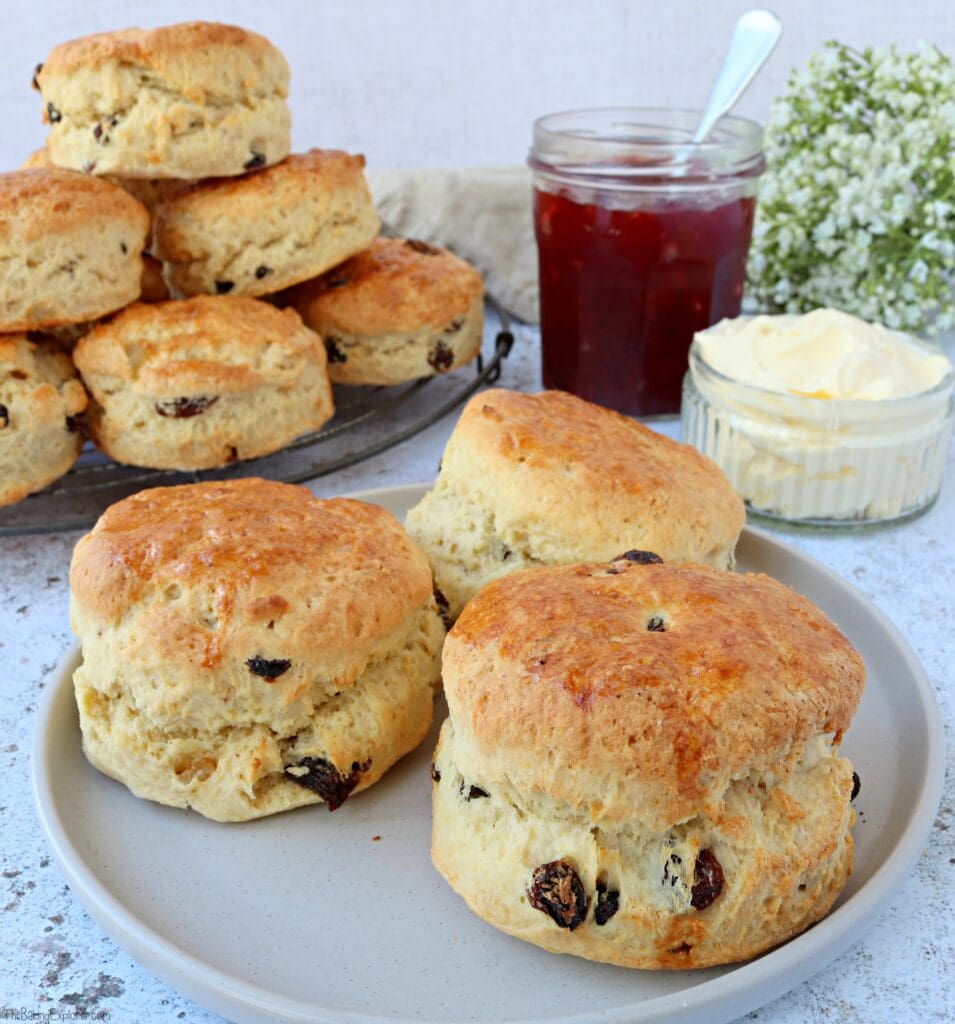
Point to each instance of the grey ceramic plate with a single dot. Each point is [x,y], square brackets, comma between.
[305,917]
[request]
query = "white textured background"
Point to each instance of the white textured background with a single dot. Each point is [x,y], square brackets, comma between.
[458,82]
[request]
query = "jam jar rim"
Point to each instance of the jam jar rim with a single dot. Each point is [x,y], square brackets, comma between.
[732,151]
[897,404]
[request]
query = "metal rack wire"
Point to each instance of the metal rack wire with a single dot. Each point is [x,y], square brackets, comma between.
[367,421]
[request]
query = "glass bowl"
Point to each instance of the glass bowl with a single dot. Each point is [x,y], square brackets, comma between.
[821,461]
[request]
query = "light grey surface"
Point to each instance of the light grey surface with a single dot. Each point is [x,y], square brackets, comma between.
[388,917]
[56,957]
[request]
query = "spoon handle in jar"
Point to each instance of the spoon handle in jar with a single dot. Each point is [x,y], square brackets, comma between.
[754,37]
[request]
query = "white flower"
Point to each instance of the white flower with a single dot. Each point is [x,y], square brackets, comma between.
[857,207]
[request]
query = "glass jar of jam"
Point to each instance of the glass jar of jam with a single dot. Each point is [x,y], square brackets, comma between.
[642,240]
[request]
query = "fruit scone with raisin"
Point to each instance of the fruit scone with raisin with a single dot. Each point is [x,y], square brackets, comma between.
[70,246]
[640,764]
[249,648]
[191,100]
[266,230]
[202,382]
[152,286]
[400,310]
[550,479]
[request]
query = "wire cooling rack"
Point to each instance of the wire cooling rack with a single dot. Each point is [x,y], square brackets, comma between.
[367,420]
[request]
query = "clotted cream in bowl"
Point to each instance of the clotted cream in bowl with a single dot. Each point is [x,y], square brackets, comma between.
[822,417]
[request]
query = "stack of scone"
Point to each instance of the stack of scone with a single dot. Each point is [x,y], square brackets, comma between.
[640,763]
[166,191]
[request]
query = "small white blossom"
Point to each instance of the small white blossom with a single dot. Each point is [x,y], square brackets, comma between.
[857,207]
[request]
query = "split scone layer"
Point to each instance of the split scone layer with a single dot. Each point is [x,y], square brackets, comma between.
[640,763]
[248,648]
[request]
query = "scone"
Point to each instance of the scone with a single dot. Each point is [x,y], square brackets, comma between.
[400,310]
[41,404]
[550,479]
[182,101]
[268,230]
[248,648]
[640,765]
[148,193]
[70,248]
[202,383]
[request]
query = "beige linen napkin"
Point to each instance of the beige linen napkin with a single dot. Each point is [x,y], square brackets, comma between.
[482,214]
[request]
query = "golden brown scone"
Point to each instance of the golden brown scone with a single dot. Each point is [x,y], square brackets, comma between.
[265,231]
[248,648]
[183,101]
[550,479]
[202,382]
[640,762]
[41,402]
[70,248]
[400,310]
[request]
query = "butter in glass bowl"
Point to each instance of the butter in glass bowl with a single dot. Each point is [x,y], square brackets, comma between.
[821,418]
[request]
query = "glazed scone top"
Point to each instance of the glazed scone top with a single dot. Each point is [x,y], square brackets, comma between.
[583,480]
[396,285]
[40,202]
[231,343]
[205,62]
[638,692]
[192,582]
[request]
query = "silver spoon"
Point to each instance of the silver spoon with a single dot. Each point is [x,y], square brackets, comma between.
[754,37]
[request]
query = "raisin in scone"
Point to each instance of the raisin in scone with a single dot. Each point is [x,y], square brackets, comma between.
[641,762]
[182,101]
[400,310]
[249,648]
[267,230]
[550,479]
[202,382]
[70,248]
[41,407]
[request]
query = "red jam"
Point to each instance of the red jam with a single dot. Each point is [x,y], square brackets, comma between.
[623,291]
